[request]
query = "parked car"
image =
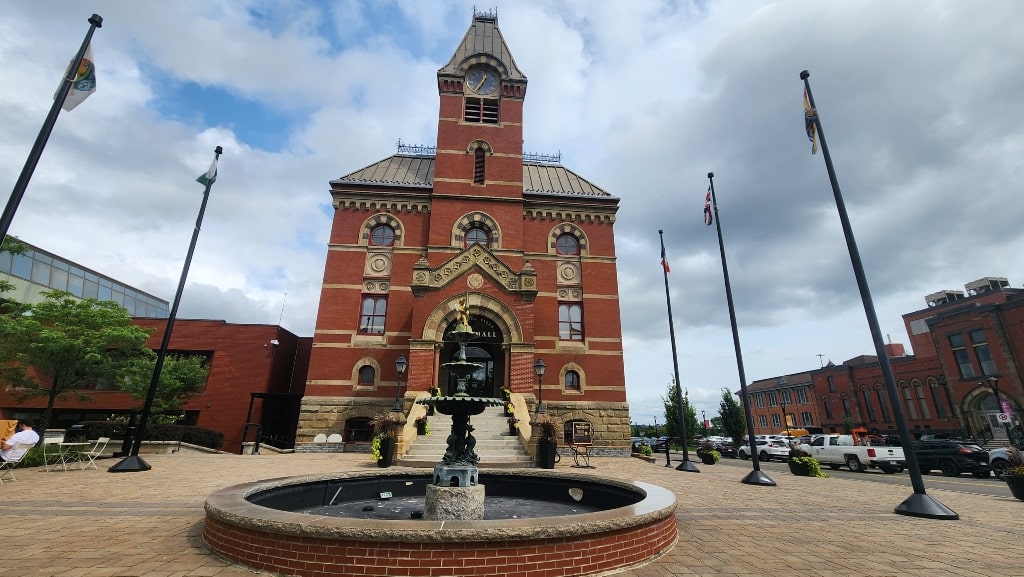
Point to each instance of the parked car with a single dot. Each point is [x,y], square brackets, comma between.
[659,444]
[766,450]
[998,460]
[952,458]
[726,448]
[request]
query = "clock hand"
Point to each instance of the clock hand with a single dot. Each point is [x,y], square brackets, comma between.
[481,83]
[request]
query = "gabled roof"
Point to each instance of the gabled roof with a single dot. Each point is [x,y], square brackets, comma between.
[418,171]
[483,37]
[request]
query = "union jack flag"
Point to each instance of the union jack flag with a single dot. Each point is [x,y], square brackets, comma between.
[708,219]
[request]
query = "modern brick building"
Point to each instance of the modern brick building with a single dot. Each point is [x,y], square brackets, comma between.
[966,351]
[528,243]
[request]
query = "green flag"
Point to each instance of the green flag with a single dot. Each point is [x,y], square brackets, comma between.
[210,176]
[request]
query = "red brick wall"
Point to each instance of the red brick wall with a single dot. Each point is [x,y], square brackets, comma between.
[561,557]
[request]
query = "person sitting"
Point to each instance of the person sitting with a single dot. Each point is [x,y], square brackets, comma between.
[24,435]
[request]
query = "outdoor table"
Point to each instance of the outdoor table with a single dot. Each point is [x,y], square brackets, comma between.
[69,453]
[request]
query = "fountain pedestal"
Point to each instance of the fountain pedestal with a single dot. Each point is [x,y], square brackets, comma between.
[454,503]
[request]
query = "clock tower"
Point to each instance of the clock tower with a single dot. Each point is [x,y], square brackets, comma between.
[471,226]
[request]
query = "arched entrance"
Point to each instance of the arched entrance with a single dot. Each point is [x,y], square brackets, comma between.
[486,350]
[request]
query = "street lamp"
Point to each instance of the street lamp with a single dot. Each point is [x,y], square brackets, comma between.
[704,418]
[993,382]
[782,401]
[539,367]
[400,366]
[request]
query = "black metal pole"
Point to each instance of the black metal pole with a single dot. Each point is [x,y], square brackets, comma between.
[134,462]
[755,477]
[686,465]
[44,133]
[920,504]
[994,382]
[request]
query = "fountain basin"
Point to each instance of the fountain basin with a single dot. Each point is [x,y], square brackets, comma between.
[635,523]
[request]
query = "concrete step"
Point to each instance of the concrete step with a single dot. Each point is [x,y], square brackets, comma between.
[496,448]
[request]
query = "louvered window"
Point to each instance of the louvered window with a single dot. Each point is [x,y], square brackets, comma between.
[481,110]
[479,158]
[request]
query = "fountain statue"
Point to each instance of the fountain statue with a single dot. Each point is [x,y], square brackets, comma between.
[455,492]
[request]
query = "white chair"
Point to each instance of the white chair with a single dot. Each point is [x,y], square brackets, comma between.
[52,454]
[96,450]
[321,438]
[334,438]
[7,467]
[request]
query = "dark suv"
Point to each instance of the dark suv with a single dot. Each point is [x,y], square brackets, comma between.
[952,458]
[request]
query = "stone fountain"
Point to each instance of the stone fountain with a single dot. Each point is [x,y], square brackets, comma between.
[456,492]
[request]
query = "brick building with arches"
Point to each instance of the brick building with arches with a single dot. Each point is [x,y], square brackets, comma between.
[526,242]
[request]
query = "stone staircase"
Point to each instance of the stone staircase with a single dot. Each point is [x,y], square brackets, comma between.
[497,449]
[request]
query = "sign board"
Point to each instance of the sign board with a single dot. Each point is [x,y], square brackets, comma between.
[1003,417]
[579,433]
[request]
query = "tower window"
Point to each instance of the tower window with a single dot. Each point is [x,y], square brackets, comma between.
[479,159]
[481,110]
[567,244]
[478,235]
[372,314]
[382,235]
[570,322]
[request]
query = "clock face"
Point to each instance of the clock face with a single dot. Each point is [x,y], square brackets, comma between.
[482,80]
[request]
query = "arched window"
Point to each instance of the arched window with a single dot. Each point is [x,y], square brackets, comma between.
[827,405]
[921,401]
[567,244]
[846,406]
[570,322]
[372,314]
[367,376]
[870,408]
[478,235]
[572,381]
[940,408]
[881,403]
[479,165]
[908,403]
[382,235]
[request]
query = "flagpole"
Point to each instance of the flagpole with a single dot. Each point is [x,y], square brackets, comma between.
[133,462]
[755,477]
[44,133]
[919,504]
[687,464]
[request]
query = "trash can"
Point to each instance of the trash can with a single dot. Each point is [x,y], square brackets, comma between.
[76,434]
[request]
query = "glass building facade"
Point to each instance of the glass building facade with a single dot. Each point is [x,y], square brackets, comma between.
[54,273]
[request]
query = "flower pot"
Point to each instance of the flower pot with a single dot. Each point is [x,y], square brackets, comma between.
[387,452]
[799,469]
[421,428]
[707,459]
[1016,485]
[512,430]
[546,453]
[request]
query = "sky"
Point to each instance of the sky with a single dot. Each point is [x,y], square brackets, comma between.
[921,103]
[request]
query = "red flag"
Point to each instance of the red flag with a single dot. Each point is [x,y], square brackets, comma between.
[708,219]
[664,260]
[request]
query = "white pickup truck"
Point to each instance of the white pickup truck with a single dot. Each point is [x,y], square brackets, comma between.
[856,452]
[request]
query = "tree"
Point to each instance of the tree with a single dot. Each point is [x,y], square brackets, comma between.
[181,377]
[63,346]
[734,422]
[672,413]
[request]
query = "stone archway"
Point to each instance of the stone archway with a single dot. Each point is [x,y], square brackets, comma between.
[479,304]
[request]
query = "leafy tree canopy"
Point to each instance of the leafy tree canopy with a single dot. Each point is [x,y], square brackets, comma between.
[734,422]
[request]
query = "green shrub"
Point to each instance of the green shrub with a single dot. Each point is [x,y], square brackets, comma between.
[158,432]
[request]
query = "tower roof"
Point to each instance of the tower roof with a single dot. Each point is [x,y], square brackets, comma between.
[483,39]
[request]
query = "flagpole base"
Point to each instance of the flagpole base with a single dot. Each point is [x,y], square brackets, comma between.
[687,466]
[130,464]
[758,478]
[923,505]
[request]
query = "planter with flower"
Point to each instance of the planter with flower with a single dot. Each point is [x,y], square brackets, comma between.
[708,452]
[422,425]
[513,425]
[384,445]
[435,391]
[547,444]
[1014,472]
[802,464]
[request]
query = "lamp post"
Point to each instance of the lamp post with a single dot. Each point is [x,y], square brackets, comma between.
[782,401]
[655,426]
[993,382]
[400,366]
[704,419]
[539,367]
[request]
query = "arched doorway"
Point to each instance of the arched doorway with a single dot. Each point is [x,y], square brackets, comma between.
[486,350]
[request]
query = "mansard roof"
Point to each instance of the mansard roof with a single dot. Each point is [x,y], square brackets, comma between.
[418,171]
[482,38]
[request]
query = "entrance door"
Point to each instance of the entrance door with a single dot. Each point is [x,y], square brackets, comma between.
[998,429]
[486,350]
